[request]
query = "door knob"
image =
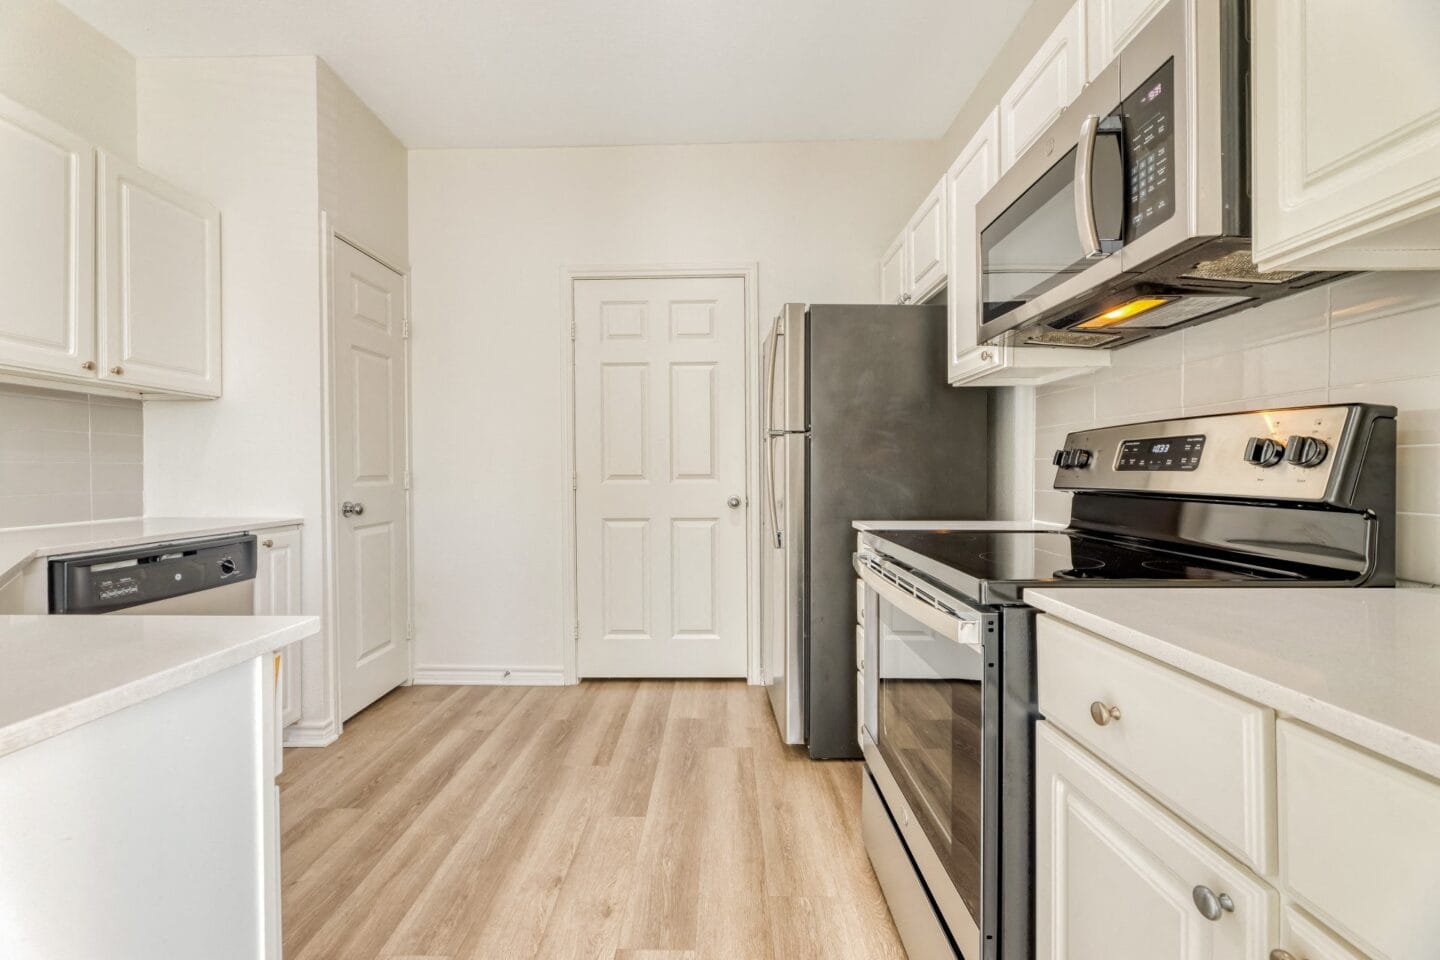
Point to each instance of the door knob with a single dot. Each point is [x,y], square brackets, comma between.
[733,503]
[352,508]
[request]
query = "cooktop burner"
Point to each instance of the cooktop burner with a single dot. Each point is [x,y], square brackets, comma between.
[997,565]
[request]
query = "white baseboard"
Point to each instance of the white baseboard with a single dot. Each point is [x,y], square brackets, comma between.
[439,673]
[312,734]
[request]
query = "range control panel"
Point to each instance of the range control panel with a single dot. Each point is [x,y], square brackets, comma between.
[1291,454]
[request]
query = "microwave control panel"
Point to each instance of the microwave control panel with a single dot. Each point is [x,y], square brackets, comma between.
[1149,125]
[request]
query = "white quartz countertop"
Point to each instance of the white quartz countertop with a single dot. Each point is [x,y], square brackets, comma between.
[20,545]
[57,673]
[953,525]
[1361,664]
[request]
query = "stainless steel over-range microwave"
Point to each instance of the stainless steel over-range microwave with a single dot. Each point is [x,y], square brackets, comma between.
[1130,214]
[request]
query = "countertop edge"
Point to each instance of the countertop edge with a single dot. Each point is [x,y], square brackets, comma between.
[274,634]
[1381,739]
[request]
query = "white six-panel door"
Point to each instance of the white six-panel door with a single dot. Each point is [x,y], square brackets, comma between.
[371,449]
[660,477]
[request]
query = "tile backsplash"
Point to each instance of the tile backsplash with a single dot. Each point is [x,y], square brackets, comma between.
[1373,338]
[68,457]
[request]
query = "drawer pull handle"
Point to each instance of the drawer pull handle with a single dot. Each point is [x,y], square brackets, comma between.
[1279,954]
[1212,905]
[1103,713]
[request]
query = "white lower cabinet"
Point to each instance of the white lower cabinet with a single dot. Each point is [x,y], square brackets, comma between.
[1120,878]
[278,593]
[1303,938]
[1360,844]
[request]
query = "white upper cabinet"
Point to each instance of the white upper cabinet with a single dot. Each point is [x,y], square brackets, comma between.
[913,267]
[47,265]
[1346,157]
[1109,25]
[892,272]
[925,260]
[1052,78]
[159,270]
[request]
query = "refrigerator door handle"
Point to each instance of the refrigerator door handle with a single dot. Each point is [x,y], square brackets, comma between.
[774,501]
[776,332]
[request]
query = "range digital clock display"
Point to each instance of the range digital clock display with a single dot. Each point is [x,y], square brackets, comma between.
[1161,453]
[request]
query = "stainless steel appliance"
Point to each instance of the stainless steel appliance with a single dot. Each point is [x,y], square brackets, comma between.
[1298,497]
[1130,215]
[858,422]
[212,576]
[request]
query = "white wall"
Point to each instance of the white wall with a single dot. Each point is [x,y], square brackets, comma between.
[489,233]
[363,182]
[242,133]
[58,65]
[1372,338]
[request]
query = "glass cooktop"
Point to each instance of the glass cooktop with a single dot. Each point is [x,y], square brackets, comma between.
[995,566]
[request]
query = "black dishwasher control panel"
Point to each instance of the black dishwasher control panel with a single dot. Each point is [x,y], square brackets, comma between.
[117,579]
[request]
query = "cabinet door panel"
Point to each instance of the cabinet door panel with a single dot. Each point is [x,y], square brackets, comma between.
[1116,874]
[1051,79]
[47,245]
[278,594]
[160,284]
[925,259]
[969,177]
[1360,843]
[1109,25]
[892,272]
[1350,176]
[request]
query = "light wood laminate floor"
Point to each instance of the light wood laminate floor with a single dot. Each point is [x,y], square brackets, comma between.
[650,820]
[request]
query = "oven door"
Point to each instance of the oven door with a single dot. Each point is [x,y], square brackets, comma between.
[929,689]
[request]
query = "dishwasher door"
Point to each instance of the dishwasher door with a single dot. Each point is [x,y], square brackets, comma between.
[209,577]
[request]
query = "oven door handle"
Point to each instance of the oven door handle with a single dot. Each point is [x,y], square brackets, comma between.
[963,630]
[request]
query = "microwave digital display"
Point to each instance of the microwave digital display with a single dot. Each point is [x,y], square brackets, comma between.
[1149,118]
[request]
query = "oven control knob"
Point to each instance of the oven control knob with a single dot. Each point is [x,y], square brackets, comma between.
[1264,452]
[1061,457]
[1080,458]
[227,567]
[1306,451]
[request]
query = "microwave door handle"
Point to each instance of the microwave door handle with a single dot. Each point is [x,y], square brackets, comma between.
[1084,196]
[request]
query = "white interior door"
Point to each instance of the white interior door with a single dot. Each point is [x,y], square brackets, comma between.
[371,457]
[660,477]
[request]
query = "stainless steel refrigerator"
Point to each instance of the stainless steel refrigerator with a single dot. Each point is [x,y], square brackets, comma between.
[859,424]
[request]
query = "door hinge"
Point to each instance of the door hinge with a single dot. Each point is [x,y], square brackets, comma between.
[407,479]
[409,633]
[575,632]
[574,482]
[572,328]
[405,330]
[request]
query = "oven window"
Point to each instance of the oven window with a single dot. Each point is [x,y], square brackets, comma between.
[928,713]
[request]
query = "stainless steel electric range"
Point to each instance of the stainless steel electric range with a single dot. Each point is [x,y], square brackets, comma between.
[1299,497]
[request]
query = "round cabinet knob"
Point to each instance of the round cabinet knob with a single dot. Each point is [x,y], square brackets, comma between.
[267,544]
[1264,452]
[87,365]
[986,356]
[733,503]
[1306,451]
[117,370]
[1281,954]
[1211,905]
[1104,714]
